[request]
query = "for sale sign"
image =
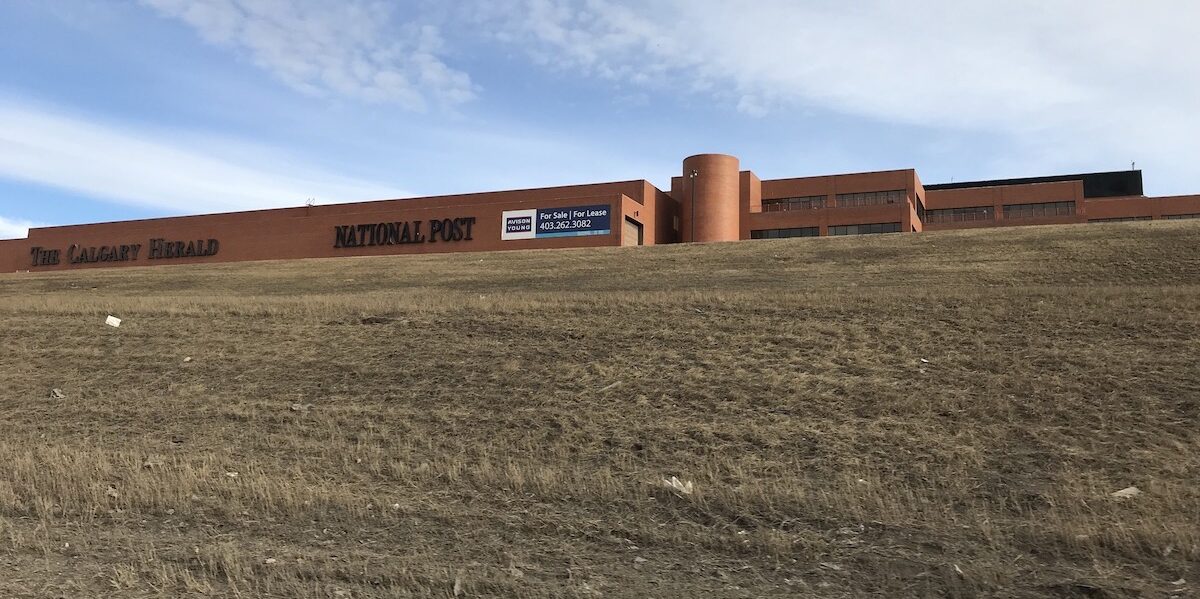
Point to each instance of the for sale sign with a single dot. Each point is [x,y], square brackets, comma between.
[570,221]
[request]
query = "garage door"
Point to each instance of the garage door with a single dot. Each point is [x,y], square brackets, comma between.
[632,235]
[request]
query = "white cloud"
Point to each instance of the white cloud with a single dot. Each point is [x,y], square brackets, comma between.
[169,170]
[14,228]
[932,61]
[1086,77]
[350,48]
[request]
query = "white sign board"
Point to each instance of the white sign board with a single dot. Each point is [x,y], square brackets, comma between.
[519,224]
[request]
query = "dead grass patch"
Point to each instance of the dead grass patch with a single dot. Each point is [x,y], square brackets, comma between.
[935,415]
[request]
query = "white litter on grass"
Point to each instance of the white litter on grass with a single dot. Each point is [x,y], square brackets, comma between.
[57,394]
[678,485]
[1127,493]
[113,321]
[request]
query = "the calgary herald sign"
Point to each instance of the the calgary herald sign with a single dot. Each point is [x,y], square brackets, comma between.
[156,249]
[571,221]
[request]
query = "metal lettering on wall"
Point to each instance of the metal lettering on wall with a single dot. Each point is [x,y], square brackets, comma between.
[403,232]
[158,249]
[571,221]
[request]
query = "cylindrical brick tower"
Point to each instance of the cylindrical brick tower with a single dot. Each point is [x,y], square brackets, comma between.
[711,207]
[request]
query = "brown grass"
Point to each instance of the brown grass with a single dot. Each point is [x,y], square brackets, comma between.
[500,424]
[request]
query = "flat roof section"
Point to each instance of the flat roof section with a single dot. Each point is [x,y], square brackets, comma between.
[1095,185]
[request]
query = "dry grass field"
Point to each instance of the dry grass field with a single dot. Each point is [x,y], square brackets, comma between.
[937,415]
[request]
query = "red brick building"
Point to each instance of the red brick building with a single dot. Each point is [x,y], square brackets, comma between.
[712,200]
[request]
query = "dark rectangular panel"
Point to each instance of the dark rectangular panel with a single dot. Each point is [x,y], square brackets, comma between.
[1095,185]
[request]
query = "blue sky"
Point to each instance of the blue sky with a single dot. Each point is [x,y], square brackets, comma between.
[118,109]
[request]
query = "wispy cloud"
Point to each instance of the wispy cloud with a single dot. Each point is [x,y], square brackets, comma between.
[166,170]
[14,228]
[931,61]
[350,48]
[1056,77]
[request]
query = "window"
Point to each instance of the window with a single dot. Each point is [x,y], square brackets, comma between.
[1043,210]
[865,229]
[1121,219]
[785,233]
[920,207]
[1180,216]
[960,215]
[871,198]
[790,204]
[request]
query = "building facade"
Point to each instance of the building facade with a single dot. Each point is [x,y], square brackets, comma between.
[712,200]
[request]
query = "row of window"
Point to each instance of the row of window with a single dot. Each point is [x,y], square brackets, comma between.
[871,198]
[790,204]
[842,200]
[1042,210]
[940,215]
[786,233]
[835,230]
[1121,219]
[959,215]
[865,229]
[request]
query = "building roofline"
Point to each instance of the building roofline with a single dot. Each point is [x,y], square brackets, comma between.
[1024,180]
[1095,185]
[338,204]
[852,174]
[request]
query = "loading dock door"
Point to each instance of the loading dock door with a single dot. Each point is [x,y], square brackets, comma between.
[632,233]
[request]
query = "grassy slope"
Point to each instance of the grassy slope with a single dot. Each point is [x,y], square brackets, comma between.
[499,424]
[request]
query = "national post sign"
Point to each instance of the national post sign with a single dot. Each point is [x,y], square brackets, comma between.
[571,221]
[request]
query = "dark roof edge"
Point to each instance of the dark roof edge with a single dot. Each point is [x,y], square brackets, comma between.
[1032,180]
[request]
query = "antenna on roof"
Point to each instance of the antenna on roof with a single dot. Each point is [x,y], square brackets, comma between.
[1133,166]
